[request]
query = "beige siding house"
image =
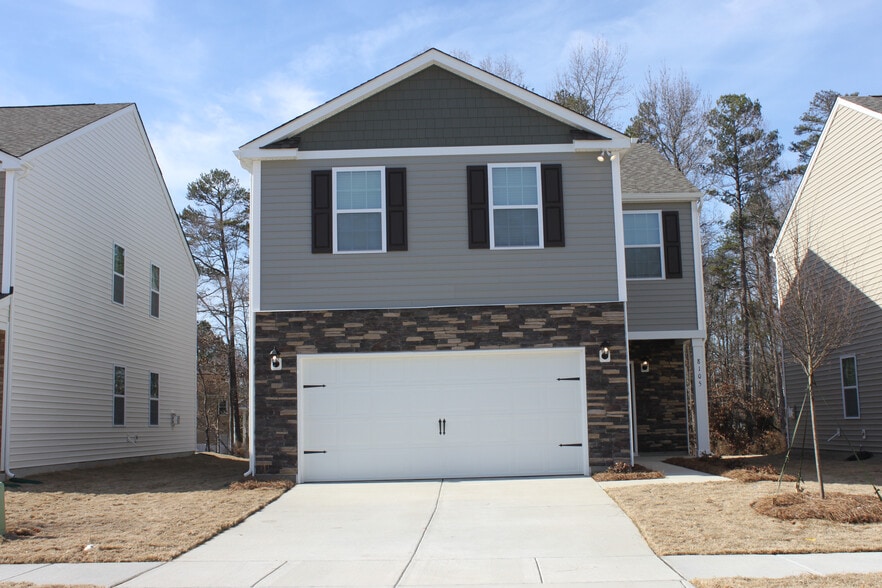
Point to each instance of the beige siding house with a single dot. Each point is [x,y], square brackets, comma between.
[98,309]
[835,224]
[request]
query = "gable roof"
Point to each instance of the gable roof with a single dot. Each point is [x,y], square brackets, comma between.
[25,128]
[866,105]
[646,171]
[593,130]
[871,102]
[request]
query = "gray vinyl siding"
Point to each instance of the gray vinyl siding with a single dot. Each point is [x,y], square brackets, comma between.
[670,304]
[838,218]
[434,108]
[438,269]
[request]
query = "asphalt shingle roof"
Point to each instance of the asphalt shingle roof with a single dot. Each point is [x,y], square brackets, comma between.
[25,128]
[646,171]
[871,102]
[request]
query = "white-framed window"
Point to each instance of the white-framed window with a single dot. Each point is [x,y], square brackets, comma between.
[154,291]
[359,209]
[119,274]
[515,206]
[119,396]
[644,259]
[851,400]
[154,400]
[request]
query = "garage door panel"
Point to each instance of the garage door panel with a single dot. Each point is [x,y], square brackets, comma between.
[447,414]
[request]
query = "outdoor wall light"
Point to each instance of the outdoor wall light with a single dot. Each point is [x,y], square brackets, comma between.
[604,354]
[275,360]
[644,366]
[606,154]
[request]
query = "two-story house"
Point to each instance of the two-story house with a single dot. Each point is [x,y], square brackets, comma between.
[97,296]
[452,276]
[831,240]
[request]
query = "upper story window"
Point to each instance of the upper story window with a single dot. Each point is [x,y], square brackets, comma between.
[851,402]
[515,206]
[154,291]
[119,396]
[359,210]
[643,245]
[119,274]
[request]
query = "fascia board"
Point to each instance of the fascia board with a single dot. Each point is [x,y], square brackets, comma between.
[9,162]
[467,71]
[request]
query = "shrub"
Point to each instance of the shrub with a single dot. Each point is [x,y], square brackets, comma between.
[741,425]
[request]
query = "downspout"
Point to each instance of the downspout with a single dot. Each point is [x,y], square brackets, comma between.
[6,391]
[253,303]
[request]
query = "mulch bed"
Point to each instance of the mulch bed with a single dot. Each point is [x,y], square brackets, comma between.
[623,471]
[837,507]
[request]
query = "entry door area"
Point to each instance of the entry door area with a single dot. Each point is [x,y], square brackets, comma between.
[388,416]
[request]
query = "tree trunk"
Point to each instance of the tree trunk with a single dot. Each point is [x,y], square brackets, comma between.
[815,443]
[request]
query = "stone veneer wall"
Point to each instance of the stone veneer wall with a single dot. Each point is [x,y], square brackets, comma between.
[434,329]
[660,396]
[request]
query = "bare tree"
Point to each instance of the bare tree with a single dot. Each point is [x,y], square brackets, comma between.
[506,68]
[671,115]
[811,326]
[216,226]
[593,83]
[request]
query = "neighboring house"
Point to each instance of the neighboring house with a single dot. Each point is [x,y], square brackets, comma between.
[98,308]
[834,226]
[439,286]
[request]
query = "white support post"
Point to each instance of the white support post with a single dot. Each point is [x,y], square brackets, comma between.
[702,428]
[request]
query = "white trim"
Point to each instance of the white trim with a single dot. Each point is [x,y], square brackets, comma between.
[254,252]
[619,223]
[537,207]
[857,387]
[381,210]
[8,274]
[652,335]
[7,393]
[844,101]
[639,198]
[251,155]
[702,423]
[660,246]
[84,130]
[434,57]
[698,267]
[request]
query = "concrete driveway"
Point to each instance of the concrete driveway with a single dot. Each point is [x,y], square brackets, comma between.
[563,531]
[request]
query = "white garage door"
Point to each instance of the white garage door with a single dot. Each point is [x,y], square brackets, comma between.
[442,415]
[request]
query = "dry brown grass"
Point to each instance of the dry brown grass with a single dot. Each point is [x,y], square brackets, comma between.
[144,511]
[803,581]
[717,518]
[836,507]
[736,468]
[624,471]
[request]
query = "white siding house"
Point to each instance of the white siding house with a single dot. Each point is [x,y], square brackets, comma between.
[97,282]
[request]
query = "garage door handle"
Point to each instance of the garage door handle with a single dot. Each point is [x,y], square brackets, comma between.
[576,379]
[313,386]
[311,452]
[442,426]
[570,445]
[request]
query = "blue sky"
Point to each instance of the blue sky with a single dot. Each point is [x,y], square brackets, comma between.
[210,75]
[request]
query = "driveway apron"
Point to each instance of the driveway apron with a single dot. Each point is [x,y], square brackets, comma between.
[564,531]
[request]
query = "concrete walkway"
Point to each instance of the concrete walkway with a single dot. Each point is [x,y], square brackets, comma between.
[556,531]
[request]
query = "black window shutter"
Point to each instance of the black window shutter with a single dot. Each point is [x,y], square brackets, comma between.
[396,209]
[552,205]
[479,207]
[671,235]
[322,213]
